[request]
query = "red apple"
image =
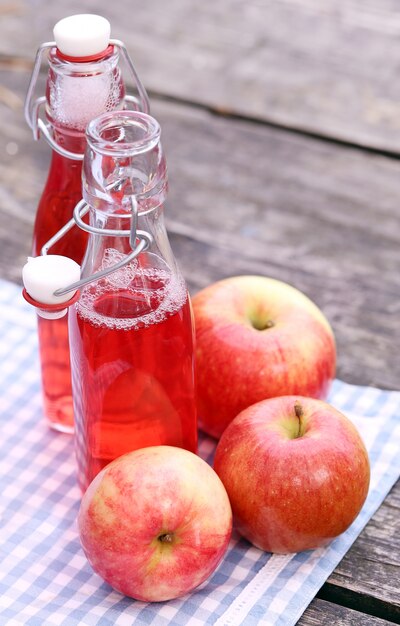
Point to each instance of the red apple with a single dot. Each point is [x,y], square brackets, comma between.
[296,472]
[155,523]
[257,338]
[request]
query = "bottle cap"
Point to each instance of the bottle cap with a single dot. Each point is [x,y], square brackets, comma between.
[82,35]
[43,275]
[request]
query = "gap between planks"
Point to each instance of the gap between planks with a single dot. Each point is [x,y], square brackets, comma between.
[357,601]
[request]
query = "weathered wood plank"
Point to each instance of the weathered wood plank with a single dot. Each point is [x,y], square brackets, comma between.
[373,557]
[249,199]
[323,613]
[258,201]
[323,67]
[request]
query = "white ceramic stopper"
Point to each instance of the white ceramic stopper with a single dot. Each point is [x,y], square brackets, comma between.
[82,35]
[43,275]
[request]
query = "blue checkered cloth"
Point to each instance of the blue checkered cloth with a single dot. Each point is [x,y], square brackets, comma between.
[44,576]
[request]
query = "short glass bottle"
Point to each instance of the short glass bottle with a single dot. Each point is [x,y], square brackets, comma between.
[131,332]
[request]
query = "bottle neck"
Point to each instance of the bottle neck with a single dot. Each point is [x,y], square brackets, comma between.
[124,159]
[78,92]
[124,183]
[72,141]
[118,222]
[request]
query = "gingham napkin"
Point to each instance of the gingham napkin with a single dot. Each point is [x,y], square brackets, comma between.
[44,576]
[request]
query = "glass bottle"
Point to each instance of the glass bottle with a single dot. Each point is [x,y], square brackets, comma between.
[78,89]
[131,332]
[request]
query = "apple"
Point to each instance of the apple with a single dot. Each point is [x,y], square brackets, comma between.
[257,338]
[296,472]
[155,523]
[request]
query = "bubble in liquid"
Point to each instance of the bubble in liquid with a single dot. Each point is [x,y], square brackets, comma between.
[76,100]
[122,277]
[169,289]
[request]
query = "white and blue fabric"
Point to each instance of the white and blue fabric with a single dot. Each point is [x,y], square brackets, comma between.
[44,576]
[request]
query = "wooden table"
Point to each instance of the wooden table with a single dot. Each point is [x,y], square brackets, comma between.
[281,124]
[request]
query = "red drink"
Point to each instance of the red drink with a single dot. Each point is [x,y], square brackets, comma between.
[56,373]
[133,378]
[62,191]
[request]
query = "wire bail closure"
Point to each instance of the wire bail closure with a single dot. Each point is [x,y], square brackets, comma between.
[32,107]
[145,240]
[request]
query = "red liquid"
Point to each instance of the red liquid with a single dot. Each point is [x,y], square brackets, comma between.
[62,191]
[133,386]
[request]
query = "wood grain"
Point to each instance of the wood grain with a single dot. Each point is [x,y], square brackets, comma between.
[329,68]
[247,199]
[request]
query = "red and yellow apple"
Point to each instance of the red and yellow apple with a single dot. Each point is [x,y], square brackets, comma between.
[155,523]
[296,472]
[257,338]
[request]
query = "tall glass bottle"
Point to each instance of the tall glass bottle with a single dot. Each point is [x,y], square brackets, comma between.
[131,332]
[84,80]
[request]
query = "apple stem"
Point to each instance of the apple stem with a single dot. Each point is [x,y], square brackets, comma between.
[299,412]
[298,409]
[166,538]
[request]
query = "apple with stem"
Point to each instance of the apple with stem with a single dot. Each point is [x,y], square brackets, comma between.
[155,523]
[257,338]
[296,472]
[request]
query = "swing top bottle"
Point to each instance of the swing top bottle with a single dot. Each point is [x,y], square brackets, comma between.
[84,80]
[131,332]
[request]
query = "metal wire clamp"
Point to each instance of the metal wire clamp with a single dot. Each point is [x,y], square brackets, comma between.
[32,107]
[145,240]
